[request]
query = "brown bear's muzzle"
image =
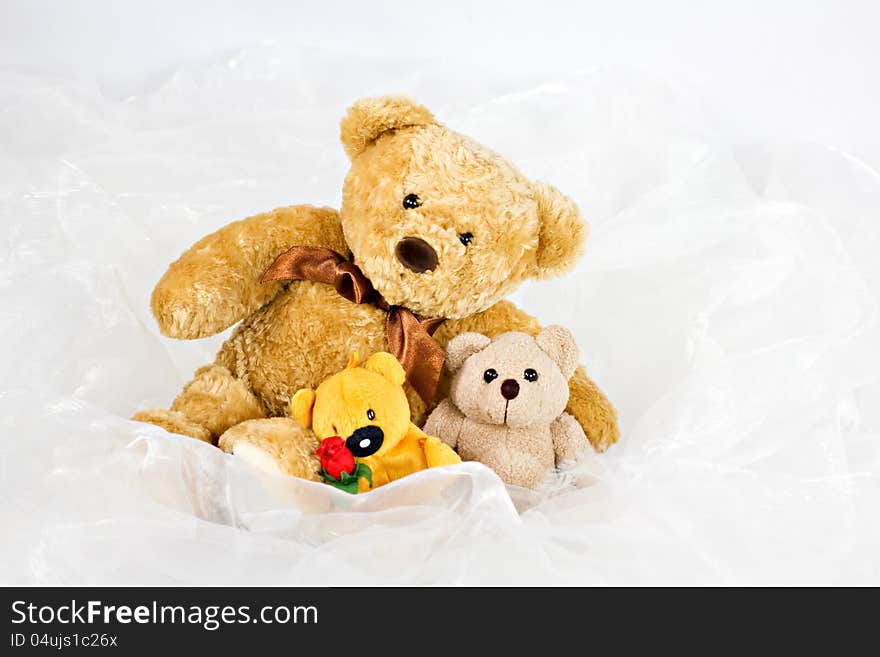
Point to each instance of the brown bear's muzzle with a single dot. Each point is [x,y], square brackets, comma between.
[416,254]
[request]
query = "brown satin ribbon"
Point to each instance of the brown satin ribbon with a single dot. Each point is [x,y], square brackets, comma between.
[409,336]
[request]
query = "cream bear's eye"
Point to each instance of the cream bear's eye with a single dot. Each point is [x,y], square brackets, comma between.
[371,415]
[530,375]
[411,201]
[490,375]
[466,238]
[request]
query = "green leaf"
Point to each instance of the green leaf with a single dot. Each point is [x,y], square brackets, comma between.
[345,478]
[327,477]
[363,470]
[348,487]
[350,483]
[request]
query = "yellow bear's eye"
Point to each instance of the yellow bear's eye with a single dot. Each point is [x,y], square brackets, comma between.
[466,238]
[411,201]
[370,414]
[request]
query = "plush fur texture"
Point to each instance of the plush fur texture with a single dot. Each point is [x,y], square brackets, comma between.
[217,281]
[506,402]
[279,443]
[295,335]
[371,117]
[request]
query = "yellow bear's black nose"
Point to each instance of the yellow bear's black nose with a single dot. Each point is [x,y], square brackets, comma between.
[416,254]
[365,441]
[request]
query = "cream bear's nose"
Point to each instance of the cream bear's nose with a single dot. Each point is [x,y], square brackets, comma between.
[416,254]
[509,389]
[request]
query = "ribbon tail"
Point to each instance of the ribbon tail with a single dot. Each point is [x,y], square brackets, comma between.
[282,268]
[422,358]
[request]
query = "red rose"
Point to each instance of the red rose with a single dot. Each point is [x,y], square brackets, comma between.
[335,457]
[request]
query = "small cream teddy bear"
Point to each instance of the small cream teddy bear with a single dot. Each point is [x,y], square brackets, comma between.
[506,404]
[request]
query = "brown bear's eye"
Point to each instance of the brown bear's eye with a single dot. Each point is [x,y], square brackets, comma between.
[530,375]
[370,414]
[490,375]
[411,201]
[466,238]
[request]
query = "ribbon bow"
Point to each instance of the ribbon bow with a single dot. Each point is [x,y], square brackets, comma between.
[409,336]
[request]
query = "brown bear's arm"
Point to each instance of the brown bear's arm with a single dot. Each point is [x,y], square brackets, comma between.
[592,410]
[586,402]
[500,318]
[216,282]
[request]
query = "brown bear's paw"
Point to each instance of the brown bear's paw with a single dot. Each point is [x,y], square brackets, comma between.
[174,422]
[217,400]
[604,436]
[596,415]
[599,423]
[276,444]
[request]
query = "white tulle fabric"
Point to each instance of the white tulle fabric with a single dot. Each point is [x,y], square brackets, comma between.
[727,304]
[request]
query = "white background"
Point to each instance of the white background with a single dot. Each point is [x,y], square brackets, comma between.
[726,156]
[807,69]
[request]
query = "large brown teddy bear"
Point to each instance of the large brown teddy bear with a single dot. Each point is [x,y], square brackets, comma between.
[439,224]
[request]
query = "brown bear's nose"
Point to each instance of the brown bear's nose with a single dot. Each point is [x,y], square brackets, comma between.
[416,254]
[509,389]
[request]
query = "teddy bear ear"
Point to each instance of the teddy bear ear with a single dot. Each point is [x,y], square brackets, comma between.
[562,233]
[370,117]
[386,365]
[462,347]
[558,343]
[301,405]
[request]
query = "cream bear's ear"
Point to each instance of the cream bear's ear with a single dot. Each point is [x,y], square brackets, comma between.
[558,343]
[562,234]
[386,365]
[370,117]
[462,347]
[301,405]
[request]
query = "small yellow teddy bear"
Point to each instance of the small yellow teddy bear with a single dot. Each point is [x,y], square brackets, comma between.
[367,406]
[364,405]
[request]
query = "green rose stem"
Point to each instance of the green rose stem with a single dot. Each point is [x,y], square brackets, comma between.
[349,482]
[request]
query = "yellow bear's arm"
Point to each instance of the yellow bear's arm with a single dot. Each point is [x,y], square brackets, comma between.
[586,403]
[378,473]
[216,282]
[437,453]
